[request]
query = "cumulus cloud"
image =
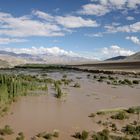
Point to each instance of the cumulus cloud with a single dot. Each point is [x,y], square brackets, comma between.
[102,7]
[11,40]
[43,15]
[114,3]
[93,9]
[132,28]
[134,39]
[56,51]
[75,22]
[47,25]
[24,27]
[133,3]
[115,50]
[67,21]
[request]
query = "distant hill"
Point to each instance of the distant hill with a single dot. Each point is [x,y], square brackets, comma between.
[21,55]
[116,58]
[133,57]
[3,64]
[47,58]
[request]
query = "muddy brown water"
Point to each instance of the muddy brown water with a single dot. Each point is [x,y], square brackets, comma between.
[34,114]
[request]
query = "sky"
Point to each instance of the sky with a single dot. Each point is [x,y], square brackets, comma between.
[96,29]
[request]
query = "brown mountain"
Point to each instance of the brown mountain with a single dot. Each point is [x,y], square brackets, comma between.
[134,57]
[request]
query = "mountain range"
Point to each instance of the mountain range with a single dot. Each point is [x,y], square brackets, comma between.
[21,58]
[10,59]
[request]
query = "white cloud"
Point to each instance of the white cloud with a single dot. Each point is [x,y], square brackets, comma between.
[115,24]
[115,50]
[134,39]
[126,28]
[41,50]
[43,15]
[24,27]
[119,4]
[133,3]
[108,52]
[75,22]
[47,25]
[93,9]
[67,21]
[102,7]
[11,40]
[130,18]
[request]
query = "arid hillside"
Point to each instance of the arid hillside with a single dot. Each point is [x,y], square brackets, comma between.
[3,64]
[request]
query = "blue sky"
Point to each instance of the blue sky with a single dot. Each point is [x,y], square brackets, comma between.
[90,28]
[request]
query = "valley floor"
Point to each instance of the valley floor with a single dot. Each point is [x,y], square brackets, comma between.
[42,111]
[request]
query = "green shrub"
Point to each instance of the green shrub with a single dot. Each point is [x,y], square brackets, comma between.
[66,81]
[114,127]
[92,115]
[59,93]
[113,137]
[100,113]
[88,75]
[103,77]
[103,135]
[134,138]
[99,122]
[95,77]
[45,135]
[120,116]
[56,134]
[5,109]
[64,76]
[58,90]
[111,78]
[48,136]
[12,86]
[6,130]
[135,82]
[84,135]
[114,82]
[81,136]
[128,82]
[132,130]
[122,82]
[100,80]
[20,136]
[76,85]
[133,109]
[77,135]
[108,83]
